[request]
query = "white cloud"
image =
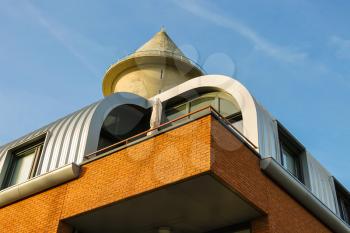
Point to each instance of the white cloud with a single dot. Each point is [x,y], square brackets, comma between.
[282,53]
[63,36]
[341,45]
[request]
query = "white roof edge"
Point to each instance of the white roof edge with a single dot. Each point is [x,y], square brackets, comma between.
[244,99]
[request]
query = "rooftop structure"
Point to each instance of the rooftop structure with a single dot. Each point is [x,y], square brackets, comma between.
[155,67]
[168,150]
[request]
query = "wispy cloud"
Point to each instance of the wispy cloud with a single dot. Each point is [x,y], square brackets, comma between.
[260,43]
[341,45]
[60,34]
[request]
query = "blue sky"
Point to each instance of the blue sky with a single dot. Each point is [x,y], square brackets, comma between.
[293,55]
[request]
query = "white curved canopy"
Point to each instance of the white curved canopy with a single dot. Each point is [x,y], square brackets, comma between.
[229,85]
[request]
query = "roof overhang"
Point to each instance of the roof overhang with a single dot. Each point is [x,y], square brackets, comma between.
[199,204]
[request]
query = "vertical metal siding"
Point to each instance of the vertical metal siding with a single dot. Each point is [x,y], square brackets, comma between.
[321,182]
[67,138]
[62,145]
[64,142]
[267,134]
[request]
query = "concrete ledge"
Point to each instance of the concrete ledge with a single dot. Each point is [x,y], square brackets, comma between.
[39,183]
[274,170]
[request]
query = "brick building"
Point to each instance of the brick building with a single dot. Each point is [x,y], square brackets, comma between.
[169,149]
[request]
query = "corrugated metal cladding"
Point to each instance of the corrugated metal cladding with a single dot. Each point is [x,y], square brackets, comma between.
[70,138]
[268,134]
[65,137]
[66,140]
[321,182]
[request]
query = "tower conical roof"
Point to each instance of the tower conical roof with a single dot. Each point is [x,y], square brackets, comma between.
[161,42]
[156,66]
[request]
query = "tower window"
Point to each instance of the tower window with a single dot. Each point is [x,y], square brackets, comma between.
[291,152]
[23,162]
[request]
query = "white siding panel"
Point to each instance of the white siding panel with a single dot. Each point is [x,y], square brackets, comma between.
[268,134]
[321,182]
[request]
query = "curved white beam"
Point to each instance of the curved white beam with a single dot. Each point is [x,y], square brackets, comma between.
[227,84]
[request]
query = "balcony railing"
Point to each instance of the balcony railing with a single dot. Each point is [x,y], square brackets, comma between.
[165,126]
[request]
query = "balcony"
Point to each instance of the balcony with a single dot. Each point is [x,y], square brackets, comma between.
[166,179]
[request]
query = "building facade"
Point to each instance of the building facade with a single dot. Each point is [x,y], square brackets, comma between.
[169,149]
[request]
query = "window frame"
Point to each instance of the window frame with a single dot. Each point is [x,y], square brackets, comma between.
[165,114]
[189,99]
[235,117]
[13,155]
[294,148]
[342,196]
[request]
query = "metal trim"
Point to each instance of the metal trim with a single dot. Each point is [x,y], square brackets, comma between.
[294,187]
[39,183]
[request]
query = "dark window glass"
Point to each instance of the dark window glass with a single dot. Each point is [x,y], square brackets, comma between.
[23,164]
[227,108]
[236,120]
[173,113]
[222,102]
[291,152]
[200,103]
[290,161]
[123,122]
[343,198]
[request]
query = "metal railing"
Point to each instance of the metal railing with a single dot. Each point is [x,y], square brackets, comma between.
[230,125]
[169,123]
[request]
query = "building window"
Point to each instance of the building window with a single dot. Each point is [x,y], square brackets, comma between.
[175,112]
[123,122]
[291,151]
[23,163]
[343,198]
[227,108]
[222,102]
[201,102]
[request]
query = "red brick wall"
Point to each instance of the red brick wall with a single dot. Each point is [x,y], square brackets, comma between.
[164,159]
[39,213]
[161,160]
[238,167]
[192,149]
